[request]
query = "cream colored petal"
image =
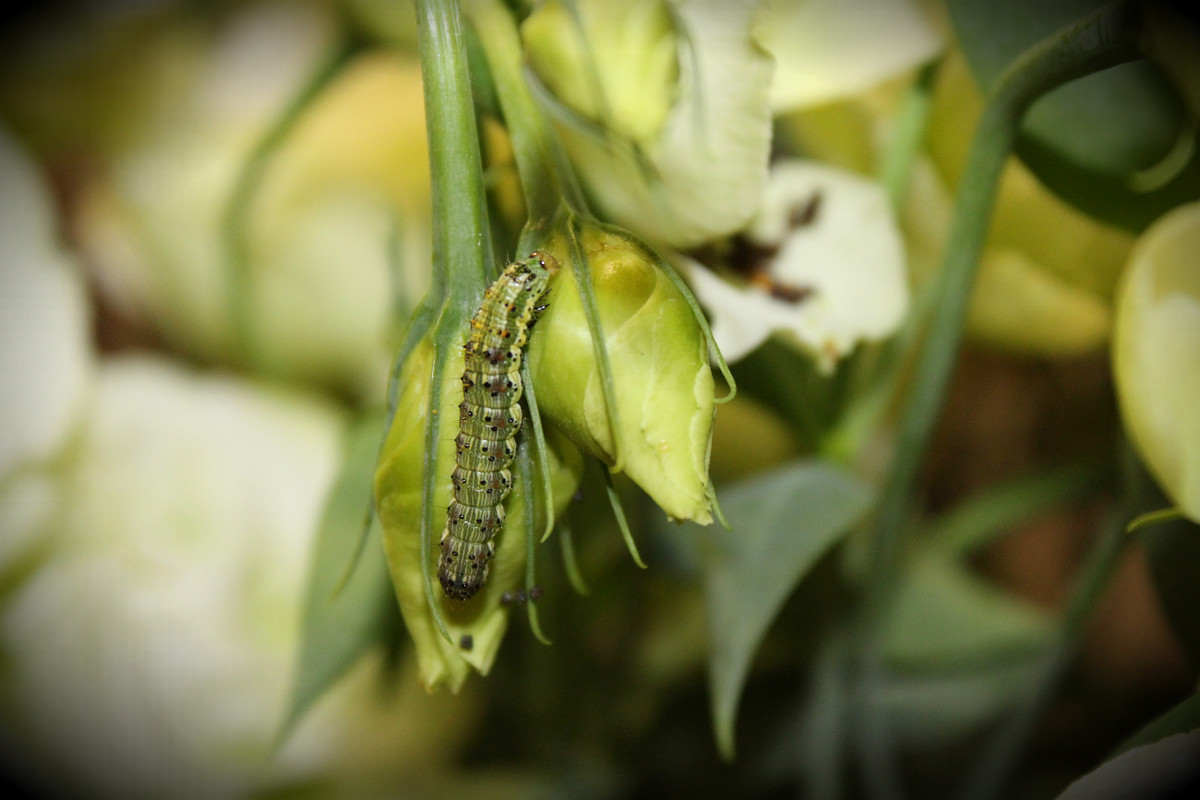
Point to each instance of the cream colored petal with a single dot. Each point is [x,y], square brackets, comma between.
[829,49]
[45,352]
[147,656]
[701,177]
[845,267]
[1156,353]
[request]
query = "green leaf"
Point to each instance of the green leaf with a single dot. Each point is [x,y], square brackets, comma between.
[979,519]
[1183,718]
[1087,139]
[1161,770]
[933,708]
[782,523]
[959,651]
[1174,550]
[342,618]
[944,617]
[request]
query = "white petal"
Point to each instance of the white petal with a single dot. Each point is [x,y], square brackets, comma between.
[1156,353]
[848,261]
[148,655]
[828,49]
[707,167]
[44,338]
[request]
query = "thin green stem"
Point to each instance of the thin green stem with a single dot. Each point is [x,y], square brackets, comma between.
[1101,40]
[461,248]
[461,255]
[582,270]
[911,124]
[528,507]
[994,768]
[540,450]
[566,538]
[1155,518]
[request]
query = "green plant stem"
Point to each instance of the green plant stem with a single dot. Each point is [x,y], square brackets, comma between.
[911,125]
[235,223]
[461,248]
[994,768]
[1101,40]
[460,253]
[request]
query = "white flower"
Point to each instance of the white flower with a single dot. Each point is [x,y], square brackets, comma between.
[829,269]
[45,358]
[343,200]
[152,646]
[150,654]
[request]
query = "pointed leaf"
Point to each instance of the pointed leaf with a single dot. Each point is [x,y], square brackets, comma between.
[342,620]
[1183,718]
[1161,770]
[943,617]
[782,523]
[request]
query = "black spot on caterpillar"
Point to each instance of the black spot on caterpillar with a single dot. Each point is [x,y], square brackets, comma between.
[489,418]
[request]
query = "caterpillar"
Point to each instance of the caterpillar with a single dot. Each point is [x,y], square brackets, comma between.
[489,418]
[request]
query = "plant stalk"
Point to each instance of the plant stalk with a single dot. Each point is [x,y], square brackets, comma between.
[1103,39]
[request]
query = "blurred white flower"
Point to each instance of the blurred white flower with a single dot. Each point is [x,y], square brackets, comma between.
[44,350]
[146,653]
[151,651]
[828,49]
[827,267]
[45,358]
[343,200]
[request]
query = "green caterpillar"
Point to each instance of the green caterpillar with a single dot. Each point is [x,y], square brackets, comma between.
[489,418]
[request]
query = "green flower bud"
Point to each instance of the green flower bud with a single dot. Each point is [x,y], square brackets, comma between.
[1156,354]
[661,380]
[477,626]
[611,61]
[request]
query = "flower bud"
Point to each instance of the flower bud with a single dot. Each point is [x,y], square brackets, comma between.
[1156,353]
[660,375]
[477,626]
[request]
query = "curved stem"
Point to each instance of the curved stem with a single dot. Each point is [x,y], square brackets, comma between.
[911,124]
[1103,39]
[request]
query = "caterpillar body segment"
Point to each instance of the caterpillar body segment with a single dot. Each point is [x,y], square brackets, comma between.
[488,422]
